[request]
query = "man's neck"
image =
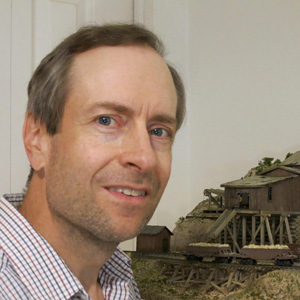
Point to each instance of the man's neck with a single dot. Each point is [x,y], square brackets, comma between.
[82,253]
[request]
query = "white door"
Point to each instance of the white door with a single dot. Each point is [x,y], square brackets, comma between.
[29,29]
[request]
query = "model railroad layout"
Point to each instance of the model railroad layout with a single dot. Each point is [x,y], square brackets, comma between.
[213,253]
[255,228]
[216,267]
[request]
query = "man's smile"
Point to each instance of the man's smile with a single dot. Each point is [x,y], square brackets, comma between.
[127,191]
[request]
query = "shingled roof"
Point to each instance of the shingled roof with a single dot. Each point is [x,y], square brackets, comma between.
[154,229]
[255,181]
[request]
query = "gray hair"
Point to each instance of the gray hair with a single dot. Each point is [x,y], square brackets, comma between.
[50,84]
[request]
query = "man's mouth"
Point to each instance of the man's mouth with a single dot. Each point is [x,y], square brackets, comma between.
[127,192]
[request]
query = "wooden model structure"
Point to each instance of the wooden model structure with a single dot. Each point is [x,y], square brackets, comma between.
[260,209]
[154,239]
[252,216]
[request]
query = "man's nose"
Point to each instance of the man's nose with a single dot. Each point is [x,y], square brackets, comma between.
[137,151]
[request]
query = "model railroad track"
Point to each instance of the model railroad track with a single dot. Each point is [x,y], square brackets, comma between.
[179,259]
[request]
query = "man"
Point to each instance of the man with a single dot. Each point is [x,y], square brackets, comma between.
[102,115]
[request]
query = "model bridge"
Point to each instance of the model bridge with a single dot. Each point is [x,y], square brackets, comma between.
[239,227]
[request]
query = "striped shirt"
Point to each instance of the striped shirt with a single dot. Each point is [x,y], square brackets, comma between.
[31,269]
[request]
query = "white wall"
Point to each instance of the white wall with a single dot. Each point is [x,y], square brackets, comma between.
[240,62]
[241,65]
[16,63]
[244,87]
[5,78]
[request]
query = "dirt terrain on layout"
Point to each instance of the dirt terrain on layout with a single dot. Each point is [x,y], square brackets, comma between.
[271,286]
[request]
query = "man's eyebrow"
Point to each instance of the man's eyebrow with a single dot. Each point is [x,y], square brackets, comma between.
[165,119]
[111,106]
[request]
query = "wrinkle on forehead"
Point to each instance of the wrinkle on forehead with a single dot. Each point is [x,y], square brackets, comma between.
[128,75]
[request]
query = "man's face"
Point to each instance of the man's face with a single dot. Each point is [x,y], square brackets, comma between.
[110,161]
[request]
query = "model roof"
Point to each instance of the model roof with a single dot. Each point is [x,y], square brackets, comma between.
[293,160]
[288,169]
[154,229]
[255,181]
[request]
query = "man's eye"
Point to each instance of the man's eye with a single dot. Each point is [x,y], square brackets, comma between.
[106,121]
[158,132]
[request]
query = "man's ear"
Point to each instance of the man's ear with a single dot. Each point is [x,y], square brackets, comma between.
[36,142]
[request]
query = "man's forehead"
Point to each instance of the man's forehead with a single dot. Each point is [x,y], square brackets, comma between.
[125,60]
[106,71]
[113,56]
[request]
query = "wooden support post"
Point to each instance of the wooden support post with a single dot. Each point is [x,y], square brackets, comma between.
[262,230]
[234,233]
[225,236]
[178,275]
[244,231]
[208,281]
[239,225]
[223,291]
[220,238]
[253,229]
[248,229]
[269,231]
[288,230]
[237,275]
[281,230]
[274,228]
[239,283]
[176,270]
[230,279]
[256,232]
[278,236]
[192,272]
[235,244]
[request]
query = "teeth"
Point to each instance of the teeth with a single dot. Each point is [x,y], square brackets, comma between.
[137,193]
[128,192]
